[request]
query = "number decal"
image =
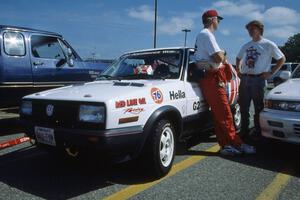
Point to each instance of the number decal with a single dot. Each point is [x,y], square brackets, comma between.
[157,95]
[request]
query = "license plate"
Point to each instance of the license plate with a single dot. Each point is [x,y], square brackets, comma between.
[45,135]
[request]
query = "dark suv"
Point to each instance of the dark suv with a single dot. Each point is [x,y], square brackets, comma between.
[32,60]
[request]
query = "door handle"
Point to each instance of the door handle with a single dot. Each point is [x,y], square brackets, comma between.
[37,63]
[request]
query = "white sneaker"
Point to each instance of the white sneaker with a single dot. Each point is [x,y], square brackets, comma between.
[229,150]
[247,149]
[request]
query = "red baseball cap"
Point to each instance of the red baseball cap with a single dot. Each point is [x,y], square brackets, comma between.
[211,13]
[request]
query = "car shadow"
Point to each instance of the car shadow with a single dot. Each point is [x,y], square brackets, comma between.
[49,176]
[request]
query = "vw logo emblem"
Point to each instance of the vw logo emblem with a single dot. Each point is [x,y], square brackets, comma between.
[49,110]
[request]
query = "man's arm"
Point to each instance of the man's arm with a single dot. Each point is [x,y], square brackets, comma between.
[219,57]
[238,63]
[278,65]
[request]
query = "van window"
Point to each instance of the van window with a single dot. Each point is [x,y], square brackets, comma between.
[46,47]
[14,44]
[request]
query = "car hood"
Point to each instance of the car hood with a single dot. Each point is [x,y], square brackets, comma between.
[289,90]
[99,91]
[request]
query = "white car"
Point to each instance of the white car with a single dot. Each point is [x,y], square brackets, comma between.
[280,118]
[143,104]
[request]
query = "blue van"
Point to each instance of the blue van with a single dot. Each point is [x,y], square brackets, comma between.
[33,60]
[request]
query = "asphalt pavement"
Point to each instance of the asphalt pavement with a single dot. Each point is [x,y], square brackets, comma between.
[28,172]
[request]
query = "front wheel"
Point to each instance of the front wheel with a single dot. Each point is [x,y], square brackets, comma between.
[160,148]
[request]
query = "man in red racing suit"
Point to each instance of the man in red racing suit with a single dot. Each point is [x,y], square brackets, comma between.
[217,73]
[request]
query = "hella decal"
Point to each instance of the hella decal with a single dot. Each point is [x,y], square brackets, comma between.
[157,95]
[130,102]
[177,95]
[134,111]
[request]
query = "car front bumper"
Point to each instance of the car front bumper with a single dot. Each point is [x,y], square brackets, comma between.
[281,125]
[111,142]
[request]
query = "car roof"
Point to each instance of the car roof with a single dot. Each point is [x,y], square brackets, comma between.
[19,28]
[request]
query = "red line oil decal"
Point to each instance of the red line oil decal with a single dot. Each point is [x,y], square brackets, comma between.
[130,102]
[157,95]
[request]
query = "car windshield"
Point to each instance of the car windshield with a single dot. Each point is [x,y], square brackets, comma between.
[158,64]
[296,73]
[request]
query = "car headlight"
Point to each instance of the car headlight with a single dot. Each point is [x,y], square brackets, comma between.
[93,114]
[283,105]
[26,107]
[268,103]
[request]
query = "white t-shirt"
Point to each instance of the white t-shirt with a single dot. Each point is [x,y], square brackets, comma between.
[257,56]
[206,45]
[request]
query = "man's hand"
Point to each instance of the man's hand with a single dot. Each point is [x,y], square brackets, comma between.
[266,75]
[239,74]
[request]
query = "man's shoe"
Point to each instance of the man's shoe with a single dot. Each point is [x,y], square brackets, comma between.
[229,150]
[247,149]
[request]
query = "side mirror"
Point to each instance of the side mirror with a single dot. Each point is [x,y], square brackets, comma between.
[71,62]
[61,62]
[285,75]
[69,52]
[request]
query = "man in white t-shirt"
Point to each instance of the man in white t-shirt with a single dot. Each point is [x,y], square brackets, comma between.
[254,67]
[211,59]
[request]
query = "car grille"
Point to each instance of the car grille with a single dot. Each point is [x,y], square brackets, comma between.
[297,128]
[65,115]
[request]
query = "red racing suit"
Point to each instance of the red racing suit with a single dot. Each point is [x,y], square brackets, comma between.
[213,89]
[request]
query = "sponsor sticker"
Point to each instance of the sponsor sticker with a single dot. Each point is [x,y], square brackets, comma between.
[157,95]
[174,95]
[134,111]
[130,102]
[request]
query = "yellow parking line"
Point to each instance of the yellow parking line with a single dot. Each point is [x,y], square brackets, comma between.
[272,191]
[135,189]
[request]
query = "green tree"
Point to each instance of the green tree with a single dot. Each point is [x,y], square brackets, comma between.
[291,48]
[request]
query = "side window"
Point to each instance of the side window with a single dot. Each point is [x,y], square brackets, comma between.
[46,47]
[14,44]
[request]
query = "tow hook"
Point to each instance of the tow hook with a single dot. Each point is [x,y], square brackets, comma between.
[72,151]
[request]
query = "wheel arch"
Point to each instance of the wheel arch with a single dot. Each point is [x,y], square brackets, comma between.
[168,112]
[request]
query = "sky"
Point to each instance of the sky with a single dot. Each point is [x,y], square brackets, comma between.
[110,28]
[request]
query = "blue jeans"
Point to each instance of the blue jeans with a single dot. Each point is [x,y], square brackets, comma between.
[251,88]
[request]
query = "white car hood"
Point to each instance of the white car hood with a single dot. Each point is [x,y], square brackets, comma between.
[98,91]
[289,90]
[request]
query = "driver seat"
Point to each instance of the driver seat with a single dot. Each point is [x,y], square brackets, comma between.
[162,70]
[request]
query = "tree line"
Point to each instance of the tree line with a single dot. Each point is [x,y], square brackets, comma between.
[291,48]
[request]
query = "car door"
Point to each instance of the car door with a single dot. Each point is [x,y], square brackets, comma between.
[48,59]
[195,101]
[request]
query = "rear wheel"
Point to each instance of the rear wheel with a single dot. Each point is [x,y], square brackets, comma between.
[237,118]
[160,148]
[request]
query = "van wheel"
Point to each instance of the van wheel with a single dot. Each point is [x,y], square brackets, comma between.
[160,148]
[237,117]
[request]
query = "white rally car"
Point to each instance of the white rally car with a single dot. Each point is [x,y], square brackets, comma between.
[280,118]
[143,104]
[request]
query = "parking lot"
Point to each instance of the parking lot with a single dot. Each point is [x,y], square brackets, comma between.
[27,172]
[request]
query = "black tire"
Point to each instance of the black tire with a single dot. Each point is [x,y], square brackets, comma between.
[236,115]
[160,148]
